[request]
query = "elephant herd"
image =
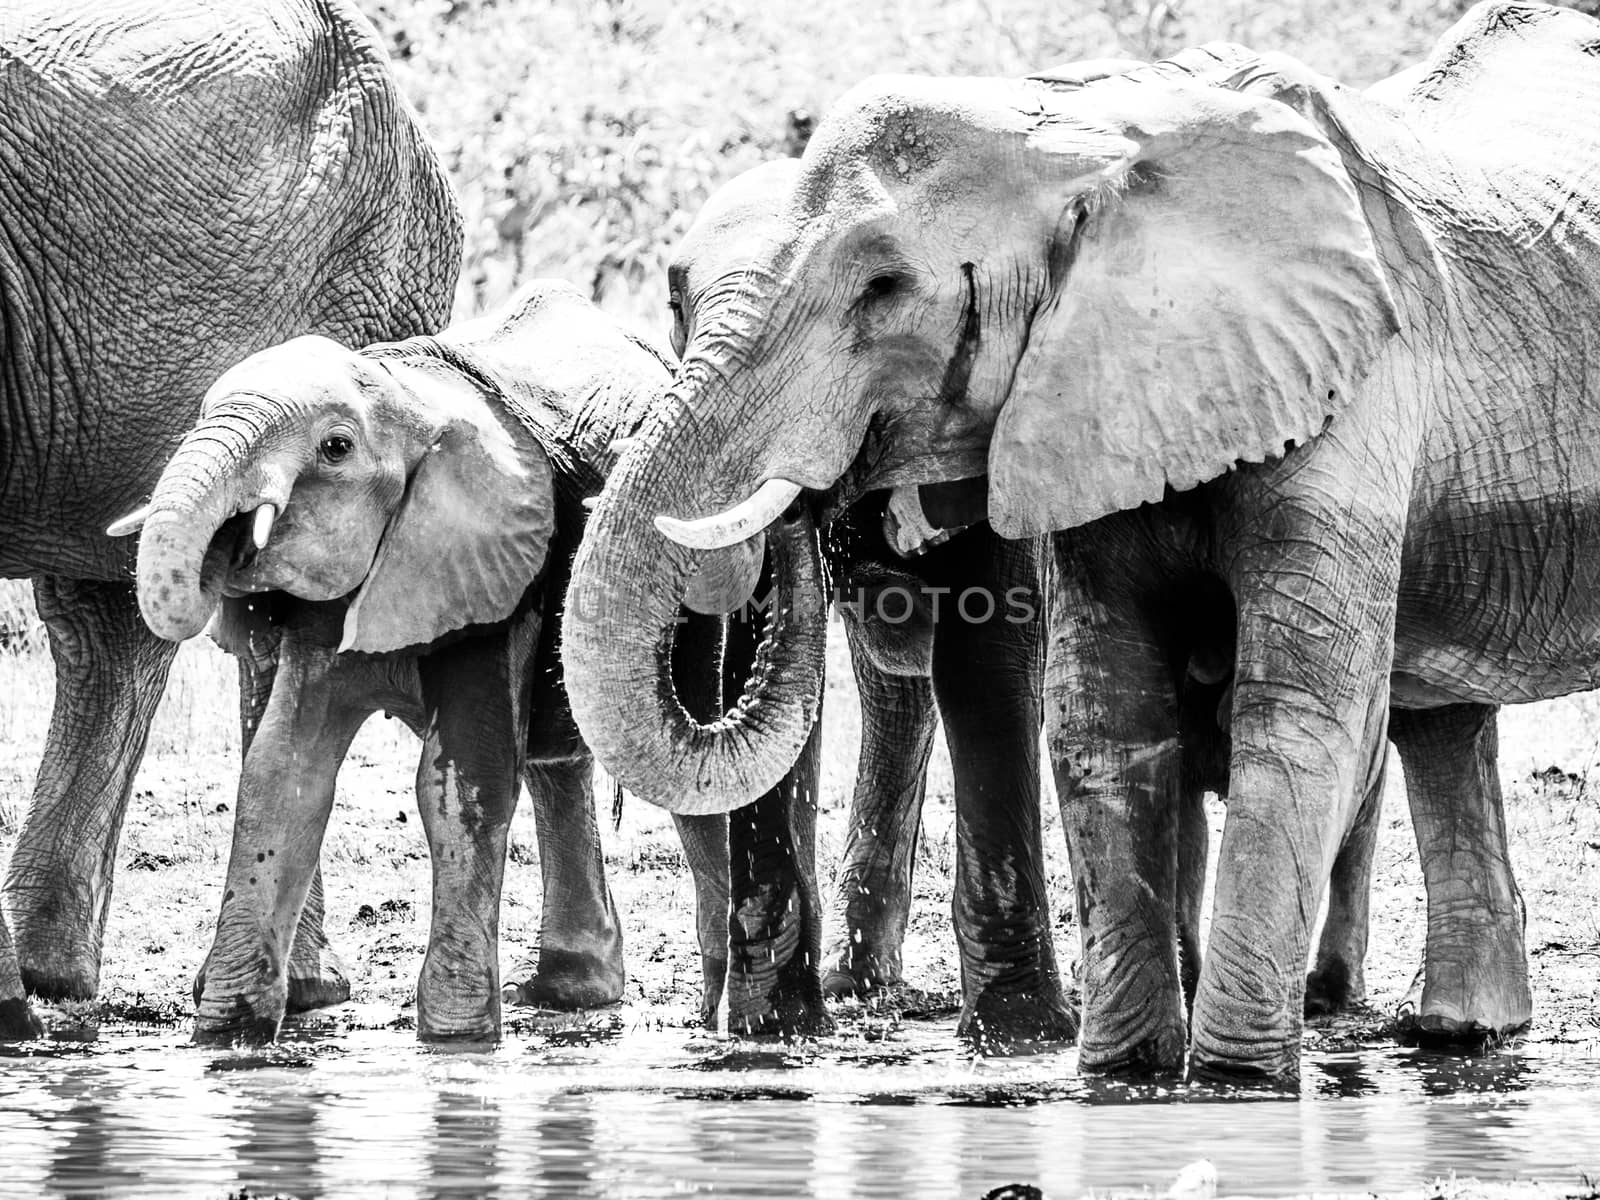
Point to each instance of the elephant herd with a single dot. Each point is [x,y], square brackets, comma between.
[1221,422]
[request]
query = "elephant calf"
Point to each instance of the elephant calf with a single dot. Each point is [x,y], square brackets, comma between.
[403,516]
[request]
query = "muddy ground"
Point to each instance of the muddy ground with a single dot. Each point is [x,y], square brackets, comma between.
[175,844]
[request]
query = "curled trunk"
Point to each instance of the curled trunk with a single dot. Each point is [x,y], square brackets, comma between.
[182,560]
[623,608]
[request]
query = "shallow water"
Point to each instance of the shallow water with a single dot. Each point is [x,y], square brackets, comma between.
[619,1105]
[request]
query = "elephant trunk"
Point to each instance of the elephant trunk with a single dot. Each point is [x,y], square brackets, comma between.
[182,560]
[623,608]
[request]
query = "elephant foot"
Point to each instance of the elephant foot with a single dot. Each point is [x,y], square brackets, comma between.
[18,1022]
[457,1000]
[1159,1053]
[569,980]
[785,1017]
[853,974]
[713,978]
[1468,999]
[1256,1062]
[317,979]
[457,1029]
[237,1022]
[1334,988]
[56,969]
[784,1004]
[1017,1022]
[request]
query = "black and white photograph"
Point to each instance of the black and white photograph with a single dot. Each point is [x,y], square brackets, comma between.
[935,599]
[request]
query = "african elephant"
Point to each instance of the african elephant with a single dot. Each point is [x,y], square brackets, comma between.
[1280,368]
[927,608]
[405,516]
[181,185]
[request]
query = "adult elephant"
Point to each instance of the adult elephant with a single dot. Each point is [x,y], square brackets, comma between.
[1268,343]
[181,185]
[933,602]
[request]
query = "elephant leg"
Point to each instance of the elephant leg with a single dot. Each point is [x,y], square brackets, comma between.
[775,906]
[579,962]
[1338,978]
[318,976]
[872,900]
[110,673]
[1476,967]
[285,796]
[775,926]
[475,705]
[697,673]
[1314,567]
[17,1020]
[705,847]
[1118,770]
[988,667]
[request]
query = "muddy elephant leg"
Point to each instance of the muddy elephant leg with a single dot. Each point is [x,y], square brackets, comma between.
[1476,967]
[988,667]
[475,706]
[579,962]
[318,977]
[872,900]
[705,848]
[17,1020]
[1118,769]
[775,906]
[775,934]
[110,673]
[1314,567]
[697,674]
[285,796]
[1338,979]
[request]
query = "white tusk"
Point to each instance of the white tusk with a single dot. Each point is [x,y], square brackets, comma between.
[589,502]
[739,524]
[620,446]
[261,530]
[131,523]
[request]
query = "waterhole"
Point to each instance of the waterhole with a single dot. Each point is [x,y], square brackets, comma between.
[619,1105]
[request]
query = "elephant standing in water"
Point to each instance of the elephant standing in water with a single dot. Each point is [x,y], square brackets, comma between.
[928,609]
[404,516]
[1288,373]
[181,185]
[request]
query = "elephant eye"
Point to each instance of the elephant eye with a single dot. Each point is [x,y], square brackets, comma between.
[336,447]
[880,287]
[680,332]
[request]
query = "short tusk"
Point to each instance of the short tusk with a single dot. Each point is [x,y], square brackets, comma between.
[131,523]
[621,445]
[739,524]
[261,530]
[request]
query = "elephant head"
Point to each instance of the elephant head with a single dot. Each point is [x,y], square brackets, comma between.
[1088,296]
[324,472]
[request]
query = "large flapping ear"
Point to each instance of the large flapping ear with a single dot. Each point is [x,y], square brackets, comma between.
[1217,299]
[469,537]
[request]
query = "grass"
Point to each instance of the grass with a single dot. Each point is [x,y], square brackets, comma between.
[584,134]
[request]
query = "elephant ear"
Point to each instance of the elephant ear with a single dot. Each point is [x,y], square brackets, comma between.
[1214,300]
[469,537]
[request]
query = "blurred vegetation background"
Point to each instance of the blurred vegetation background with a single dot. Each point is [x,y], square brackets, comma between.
[583,135]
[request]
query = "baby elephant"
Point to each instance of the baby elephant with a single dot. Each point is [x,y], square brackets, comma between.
[405,515]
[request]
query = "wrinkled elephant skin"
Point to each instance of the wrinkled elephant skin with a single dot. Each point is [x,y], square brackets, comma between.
[339,220]
[1278,367]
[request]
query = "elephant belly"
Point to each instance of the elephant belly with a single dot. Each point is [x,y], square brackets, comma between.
[1500,602]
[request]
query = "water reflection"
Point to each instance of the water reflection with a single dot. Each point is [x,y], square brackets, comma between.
[647,1112]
